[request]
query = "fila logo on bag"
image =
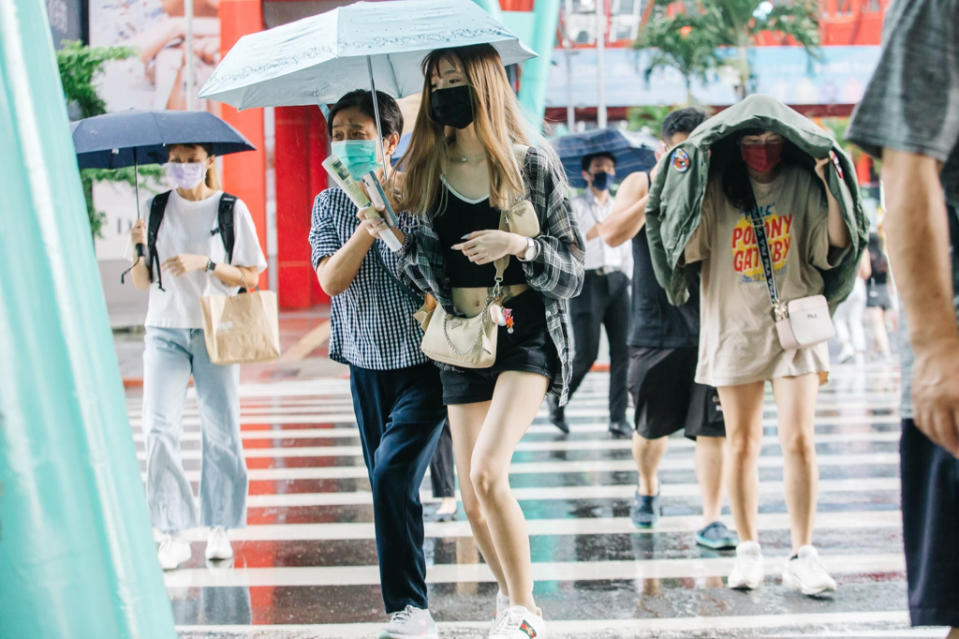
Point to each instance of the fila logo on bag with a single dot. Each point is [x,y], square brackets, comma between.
[526,628]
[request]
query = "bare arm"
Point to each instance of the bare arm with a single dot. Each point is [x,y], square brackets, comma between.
[918,234]
[629,211]
[336,272]
[865,266]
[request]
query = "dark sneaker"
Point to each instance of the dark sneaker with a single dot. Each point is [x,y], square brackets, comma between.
[717,536]
[645,510]
[620,429]
[557,414]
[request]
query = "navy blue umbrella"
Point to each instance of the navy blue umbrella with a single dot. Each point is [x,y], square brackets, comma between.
[130,138]
[633,151]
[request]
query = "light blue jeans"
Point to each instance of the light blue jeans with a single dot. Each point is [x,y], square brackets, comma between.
[170,356]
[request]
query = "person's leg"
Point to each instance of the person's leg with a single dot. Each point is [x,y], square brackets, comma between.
[441,466]
[586,316]
[857,306]
[796,403]
[515,401]
[877,321]
[743,410]
[648,454]
[442,477]
[406,447]
[616,321]
[371,404]
[709,474]
[466,422]
[223,479]
[930,514]
[166,375]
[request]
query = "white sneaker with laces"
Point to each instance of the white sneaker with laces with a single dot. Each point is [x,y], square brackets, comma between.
[218,545]
[172,552]
[747,572]
[520,622]
[807,574]
[410,623]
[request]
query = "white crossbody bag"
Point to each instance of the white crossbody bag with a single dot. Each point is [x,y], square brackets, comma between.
[801,322]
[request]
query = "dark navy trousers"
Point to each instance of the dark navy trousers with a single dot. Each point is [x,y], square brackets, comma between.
[400,414]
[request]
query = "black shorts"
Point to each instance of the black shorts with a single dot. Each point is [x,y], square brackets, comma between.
[528,349]
[667,399]
[877,296]
[930,517]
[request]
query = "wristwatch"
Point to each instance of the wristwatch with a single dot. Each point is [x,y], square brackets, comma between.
[210,265]
[532,250]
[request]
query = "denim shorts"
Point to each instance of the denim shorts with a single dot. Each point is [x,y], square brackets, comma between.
[527,349]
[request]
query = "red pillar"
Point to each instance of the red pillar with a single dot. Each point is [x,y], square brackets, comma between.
[300,149]
[244,174]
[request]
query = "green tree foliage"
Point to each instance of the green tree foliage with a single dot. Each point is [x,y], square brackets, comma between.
[716,33]
[79,66]
[685,43]
[648,118]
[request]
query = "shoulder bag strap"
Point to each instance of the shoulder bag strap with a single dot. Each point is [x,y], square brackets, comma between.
[759,229]
[225,224]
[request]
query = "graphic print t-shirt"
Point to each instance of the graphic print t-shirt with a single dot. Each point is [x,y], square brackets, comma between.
[738,342]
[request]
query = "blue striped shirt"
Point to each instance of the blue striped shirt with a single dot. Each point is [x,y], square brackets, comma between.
[372,323]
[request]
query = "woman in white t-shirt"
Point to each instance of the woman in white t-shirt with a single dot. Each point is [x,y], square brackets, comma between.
[738,347]
[192,262]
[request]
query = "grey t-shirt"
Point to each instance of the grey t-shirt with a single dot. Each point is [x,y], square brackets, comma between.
[912,103]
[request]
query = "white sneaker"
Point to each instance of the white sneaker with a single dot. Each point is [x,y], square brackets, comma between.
[520,623]
[410,623]
[173,551]
[502,607]
[218,545]
[747,572]
[807,574]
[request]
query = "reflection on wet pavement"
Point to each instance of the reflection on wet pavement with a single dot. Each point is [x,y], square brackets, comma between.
[306,564]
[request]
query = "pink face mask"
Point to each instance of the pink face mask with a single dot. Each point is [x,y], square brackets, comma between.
[761,157]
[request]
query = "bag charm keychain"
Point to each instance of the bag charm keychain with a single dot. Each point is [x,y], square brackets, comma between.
[502,316]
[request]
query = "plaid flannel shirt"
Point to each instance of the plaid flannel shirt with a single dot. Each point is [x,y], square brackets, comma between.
[556,272]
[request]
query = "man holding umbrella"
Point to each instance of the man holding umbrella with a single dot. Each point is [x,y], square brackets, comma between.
[604,300]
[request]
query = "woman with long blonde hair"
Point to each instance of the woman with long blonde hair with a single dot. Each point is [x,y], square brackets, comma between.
[468,161]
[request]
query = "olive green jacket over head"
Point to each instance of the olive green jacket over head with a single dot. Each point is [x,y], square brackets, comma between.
[673,210]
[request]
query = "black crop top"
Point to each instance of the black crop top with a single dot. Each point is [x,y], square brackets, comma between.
[460,218]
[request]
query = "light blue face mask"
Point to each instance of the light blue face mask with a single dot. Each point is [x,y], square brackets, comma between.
[359,156]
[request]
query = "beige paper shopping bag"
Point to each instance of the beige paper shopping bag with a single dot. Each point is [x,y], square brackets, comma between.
[241,328]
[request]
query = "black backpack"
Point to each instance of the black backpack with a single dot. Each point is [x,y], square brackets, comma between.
[224,227]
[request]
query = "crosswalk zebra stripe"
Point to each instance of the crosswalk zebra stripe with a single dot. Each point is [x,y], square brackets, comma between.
[542,571]
[570,526]
[567,493]
[627,628]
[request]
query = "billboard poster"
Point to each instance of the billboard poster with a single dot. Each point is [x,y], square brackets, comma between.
[154,77]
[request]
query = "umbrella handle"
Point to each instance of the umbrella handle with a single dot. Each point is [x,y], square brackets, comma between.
[141,249]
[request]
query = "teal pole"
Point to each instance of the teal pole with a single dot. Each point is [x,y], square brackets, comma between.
[77,559]
[492,7]
[532,91]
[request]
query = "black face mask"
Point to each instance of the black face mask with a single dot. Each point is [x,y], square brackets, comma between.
[601,180]
[452,106]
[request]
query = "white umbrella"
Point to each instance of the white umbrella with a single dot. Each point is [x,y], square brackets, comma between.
[318,59]
[377,44]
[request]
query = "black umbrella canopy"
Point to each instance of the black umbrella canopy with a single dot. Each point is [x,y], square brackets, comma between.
[128,138]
